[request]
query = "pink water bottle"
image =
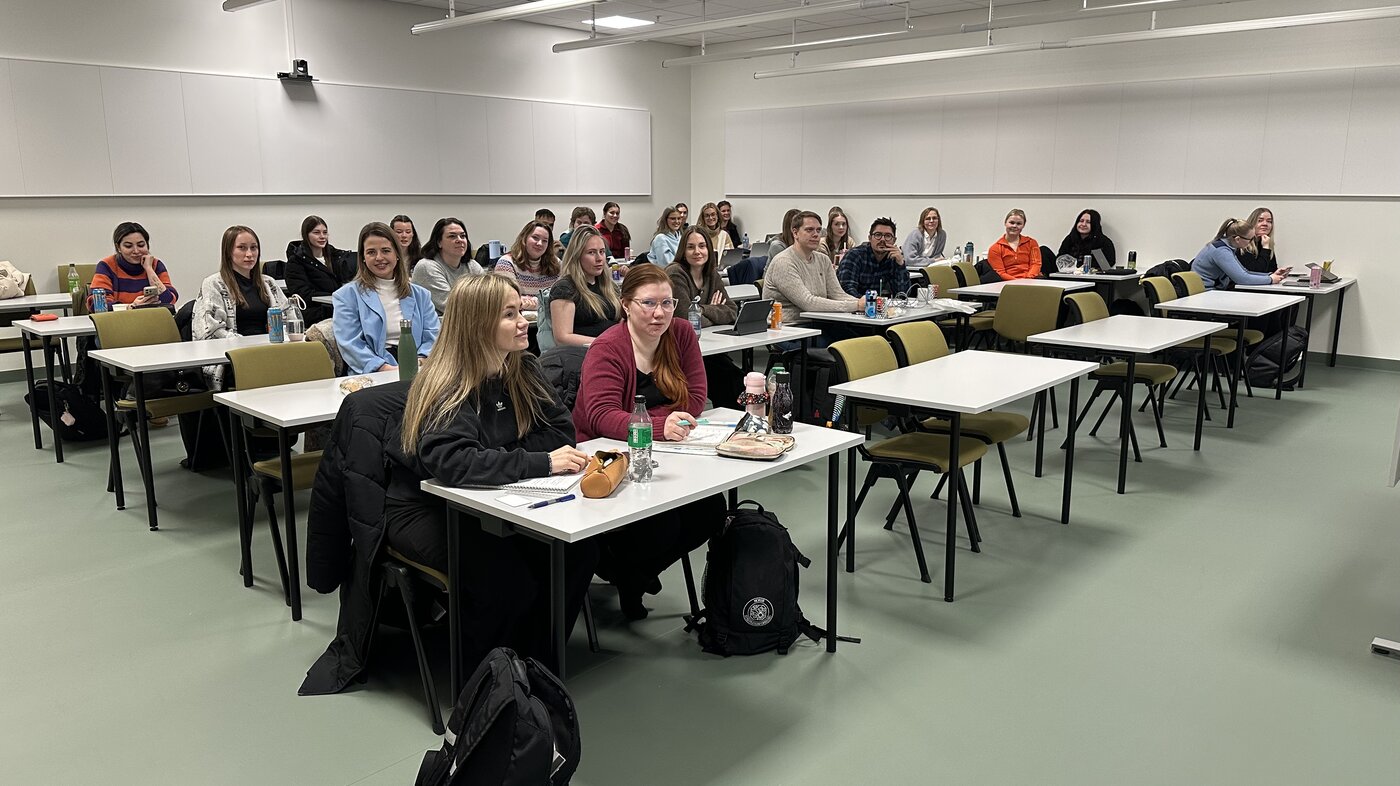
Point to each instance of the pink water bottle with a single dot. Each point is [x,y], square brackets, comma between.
[755,398]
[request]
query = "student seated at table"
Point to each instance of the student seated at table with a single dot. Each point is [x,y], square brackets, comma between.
[1015,255]
[583,302]
[368,310]
[801,279]
[127,273]
[693,272]
[875,264]
[668,237]
[924,246]
[728,223]
[837,240]
[709,221]
[407,235]
[530,263]
[235,300]
[653,355]
[481,413]
[1218,264]
[785,237]
[315,268]
[446,260]
[1258,256]
[581,217]
[614,232]
[1086,237]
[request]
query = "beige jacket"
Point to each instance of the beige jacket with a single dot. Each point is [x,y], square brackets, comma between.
[805,286]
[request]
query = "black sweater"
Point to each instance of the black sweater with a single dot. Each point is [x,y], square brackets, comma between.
[1079,247]
[308,278]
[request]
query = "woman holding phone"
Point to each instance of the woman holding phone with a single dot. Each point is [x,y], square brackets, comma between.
[133,275]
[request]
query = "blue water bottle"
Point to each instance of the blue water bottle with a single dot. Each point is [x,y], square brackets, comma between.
[870,296]
[275,332]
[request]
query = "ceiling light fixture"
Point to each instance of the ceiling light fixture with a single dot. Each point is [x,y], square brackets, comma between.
[617,22]
[722,24]
[783,49]
[916,57]
[500,14]
[239,5]
[1243,25]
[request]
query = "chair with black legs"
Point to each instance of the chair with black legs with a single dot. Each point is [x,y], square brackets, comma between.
[1023,311]
[904,456]
[1159,289]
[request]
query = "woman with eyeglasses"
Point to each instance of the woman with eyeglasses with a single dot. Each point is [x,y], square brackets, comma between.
[709,221]
[653,355]
[924,245]
[1218,264]
[1015,255]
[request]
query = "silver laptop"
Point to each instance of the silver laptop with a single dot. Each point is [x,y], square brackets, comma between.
[730,257]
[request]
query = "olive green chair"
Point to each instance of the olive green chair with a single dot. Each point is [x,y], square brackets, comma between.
[1023,311]
[1159,289]
[904,456]
[1089,307]
[918,342]
[981,322]
[1190,283]
[979,325]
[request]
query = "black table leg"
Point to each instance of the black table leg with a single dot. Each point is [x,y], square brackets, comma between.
[143,451]
[850,510]
[557,622]
[1069,448]
[1336,327]
[1043,401]
[1236,371]
[954,473]
[1283,353]
[289,503]
[53,397]
[114,459]
[1125,423]
[1307,325]
[801,400]
[1201,390]
[33,398]
[833,479]
[746,361]
[454,597]
[240,489]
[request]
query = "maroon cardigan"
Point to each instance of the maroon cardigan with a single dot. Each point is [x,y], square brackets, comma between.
[609,382]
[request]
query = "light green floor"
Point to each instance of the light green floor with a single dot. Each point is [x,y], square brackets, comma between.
[1211,626]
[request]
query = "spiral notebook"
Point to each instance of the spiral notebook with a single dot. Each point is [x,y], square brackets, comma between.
[554,484]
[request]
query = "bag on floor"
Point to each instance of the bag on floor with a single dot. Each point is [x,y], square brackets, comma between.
[750,587]
[80,418]
[1261,369]
[513,725]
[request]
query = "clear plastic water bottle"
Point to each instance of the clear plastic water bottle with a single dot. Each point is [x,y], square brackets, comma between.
[73,284]
[639,442]
[275,332]
[773,380]
[967,252]
[695,314]
[746,242]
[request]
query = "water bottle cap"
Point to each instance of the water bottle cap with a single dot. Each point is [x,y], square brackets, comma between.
[783,377]
[639,399]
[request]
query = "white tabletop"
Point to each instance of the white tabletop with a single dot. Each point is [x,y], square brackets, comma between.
[1133,276]
[52,300]
[967,382]
[680,478]
[175,355]
[910,315]
[1230,304]
[298,404]
[994,289]
[1324,289]
[323,299]
[712,343]
[1124,333]
[57,328]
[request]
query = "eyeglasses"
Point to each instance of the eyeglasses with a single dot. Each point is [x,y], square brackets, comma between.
[454,236]
[669,304]
[881,236]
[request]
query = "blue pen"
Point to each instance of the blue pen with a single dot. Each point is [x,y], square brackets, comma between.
[542,503]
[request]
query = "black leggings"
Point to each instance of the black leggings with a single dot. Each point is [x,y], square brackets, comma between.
[633,556]
[505,580]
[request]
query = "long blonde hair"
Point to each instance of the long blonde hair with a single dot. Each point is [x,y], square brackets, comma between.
[572,269]
[465,356]
[1254,222]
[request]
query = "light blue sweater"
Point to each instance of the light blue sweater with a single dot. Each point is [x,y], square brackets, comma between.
[1219,267]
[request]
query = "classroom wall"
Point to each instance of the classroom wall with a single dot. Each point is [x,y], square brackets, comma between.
[1309,228]
[363,42]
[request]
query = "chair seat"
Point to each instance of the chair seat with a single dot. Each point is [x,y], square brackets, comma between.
[1151,373]
[1251,336]
[171,405]
[304,466]
[438,578]
[13,345]
[1218,345]
[990,427]
[924,448]
[982,320]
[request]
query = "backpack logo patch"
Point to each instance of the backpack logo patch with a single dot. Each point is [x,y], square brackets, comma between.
[758,612]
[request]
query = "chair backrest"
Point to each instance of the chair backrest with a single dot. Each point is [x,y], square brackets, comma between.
[1025,309]
[741,292]
[642,258]
[1158,290]
[916,342]
[544,332]
[280,364]
[135,327]
[967,274]
[1188,283]
[1086,307]
[944,276]
[323,333]
[857,358]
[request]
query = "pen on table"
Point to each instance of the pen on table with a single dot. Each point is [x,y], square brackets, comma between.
[542,503]
[704,422]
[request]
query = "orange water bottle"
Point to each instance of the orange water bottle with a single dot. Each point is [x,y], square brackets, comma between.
[775,317]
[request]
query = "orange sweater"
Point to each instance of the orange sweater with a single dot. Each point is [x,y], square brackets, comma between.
[1021,262]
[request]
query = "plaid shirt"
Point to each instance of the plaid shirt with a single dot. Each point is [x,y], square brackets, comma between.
[861,272]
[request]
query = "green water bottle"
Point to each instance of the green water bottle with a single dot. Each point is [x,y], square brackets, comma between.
[408,351]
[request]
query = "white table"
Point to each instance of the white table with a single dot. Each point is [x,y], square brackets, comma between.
[139,361]
[1097,277]
[285,408]
[1110,287]
[60,329]
[993,290]
[913,314]
[680,478]
[1129,336]
[1237,307]
[969,383]
[60,300]
[1339,287]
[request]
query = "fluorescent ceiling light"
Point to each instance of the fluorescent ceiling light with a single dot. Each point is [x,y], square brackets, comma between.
[499,14]
[916,57]
[239,5]
[808,46]
[721,24]
[1243,25]
[618,22]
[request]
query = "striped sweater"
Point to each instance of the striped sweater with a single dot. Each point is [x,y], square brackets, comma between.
[125,281]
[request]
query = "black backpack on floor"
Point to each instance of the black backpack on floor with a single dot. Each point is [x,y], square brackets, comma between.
[513,725]
[750,587]
[1262,367]
[80,418]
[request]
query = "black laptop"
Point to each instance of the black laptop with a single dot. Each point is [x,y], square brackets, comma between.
[753,318]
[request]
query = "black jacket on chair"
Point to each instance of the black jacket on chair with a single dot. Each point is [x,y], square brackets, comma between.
[308,279]
[345,527]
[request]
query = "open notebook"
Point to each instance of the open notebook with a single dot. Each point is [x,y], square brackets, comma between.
[702,440]
[554,484]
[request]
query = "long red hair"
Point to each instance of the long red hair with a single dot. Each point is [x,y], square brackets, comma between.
[667,363]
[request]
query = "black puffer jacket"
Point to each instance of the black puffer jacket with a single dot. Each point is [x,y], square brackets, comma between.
[307,278]
[345,527]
